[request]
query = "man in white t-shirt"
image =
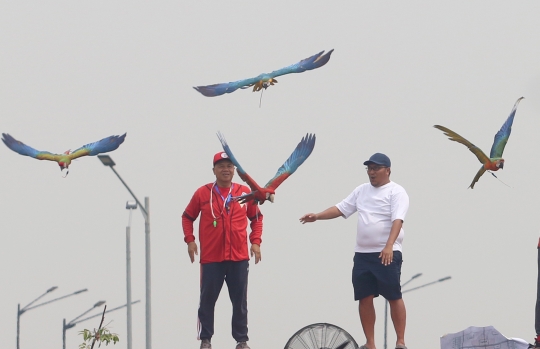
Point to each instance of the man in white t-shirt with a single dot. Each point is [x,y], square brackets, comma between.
[381,206]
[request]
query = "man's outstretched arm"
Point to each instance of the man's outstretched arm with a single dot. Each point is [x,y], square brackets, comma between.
[329,213]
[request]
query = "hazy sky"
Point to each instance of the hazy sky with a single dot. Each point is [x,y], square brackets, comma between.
[75,72]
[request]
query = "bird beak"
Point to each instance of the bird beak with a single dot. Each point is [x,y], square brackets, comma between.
[501,165]
[271,198]
[64,171]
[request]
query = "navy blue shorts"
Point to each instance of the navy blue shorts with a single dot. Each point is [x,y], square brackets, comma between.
[371,277]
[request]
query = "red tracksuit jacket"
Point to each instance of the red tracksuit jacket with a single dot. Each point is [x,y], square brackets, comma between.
[227,241]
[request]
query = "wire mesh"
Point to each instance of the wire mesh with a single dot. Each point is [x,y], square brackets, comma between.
[321,336]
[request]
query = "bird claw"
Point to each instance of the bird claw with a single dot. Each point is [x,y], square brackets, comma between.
[247,197]
[242,199]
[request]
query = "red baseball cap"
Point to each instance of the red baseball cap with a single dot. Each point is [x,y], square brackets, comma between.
[220,156]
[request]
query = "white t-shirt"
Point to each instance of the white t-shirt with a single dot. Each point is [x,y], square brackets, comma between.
[377,208]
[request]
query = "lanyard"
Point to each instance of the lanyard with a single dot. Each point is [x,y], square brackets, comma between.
[225,201]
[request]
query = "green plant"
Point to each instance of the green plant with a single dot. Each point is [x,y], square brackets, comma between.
[101,335]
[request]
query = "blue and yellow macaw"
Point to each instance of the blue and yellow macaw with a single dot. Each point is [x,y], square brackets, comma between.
[263,81]
[260,195]
[64,160]
[495,161]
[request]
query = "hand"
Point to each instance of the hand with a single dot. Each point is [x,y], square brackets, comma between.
[256,250]
[386,255]
[192,250]
[308,218]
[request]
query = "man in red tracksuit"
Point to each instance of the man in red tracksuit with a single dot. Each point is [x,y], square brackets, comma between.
[224,254]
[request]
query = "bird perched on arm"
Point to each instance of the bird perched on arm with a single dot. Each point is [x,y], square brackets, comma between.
[495,161]
[64,160]
[263,81]
[259,194]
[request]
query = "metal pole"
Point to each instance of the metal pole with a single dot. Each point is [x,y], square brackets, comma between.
[537,308]
[72,323]
[146,214]
[18,322]
[101,314]
[429,283]
[128,282]
[143,210]
[148,278]
[64,334]
[23,310]
[38,298]
[54,300]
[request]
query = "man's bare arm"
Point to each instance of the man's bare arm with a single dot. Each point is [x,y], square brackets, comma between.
[329,213]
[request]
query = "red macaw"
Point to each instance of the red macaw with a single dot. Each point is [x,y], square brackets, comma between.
[495,161]
[64,160]
[260,195]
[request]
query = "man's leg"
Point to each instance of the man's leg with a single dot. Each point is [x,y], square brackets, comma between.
[399,318]
[365,289]
[367,318]
[212,276]
[237,283]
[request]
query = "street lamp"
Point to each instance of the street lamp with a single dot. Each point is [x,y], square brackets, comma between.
[145,210]
[130,205]
[409,290]
[429,283]
[72,323]
[411,279]
[21,311]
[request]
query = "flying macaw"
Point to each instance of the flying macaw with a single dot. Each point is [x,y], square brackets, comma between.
[64,160]
[495,161]
[258,194]
[263,81]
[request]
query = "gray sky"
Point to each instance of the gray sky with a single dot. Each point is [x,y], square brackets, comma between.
[74,72]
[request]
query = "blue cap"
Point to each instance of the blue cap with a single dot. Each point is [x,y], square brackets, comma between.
[378,159]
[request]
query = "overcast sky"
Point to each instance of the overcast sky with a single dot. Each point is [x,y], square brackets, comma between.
[72,73]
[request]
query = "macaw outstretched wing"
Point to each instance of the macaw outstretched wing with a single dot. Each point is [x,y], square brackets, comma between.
[313,62]
[300,154]
[23,149]
[245,177]
[457,138]
[499,142]
[102,146]
[227,87]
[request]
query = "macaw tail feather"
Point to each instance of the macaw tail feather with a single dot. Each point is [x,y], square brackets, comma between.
[260,99]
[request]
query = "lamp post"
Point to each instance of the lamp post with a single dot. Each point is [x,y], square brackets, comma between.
[145,210]
[429,283]
[21,311]
[409,290]
[72,323]
[129,206]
